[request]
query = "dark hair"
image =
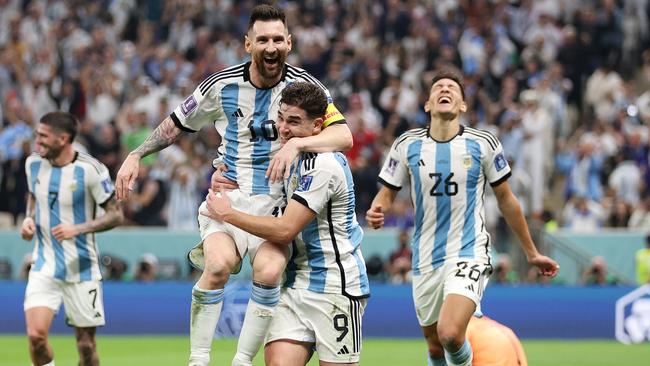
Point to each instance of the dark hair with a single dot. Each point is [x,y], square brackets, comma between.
[265,12]
[450,73]
[306,96]
[62,122]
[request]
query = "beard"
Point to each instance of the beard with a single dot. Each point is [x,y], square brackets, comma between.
[49,152]
[270,74]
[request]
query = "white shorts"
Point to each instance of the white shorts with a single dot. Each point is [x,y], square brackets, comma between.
[257,205]
[83,301]
[331,321]
[465,277]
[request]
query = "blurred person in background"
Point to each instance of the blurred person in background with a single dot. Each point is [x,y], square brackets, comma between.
[146,268]
[66,188]
[596,273]
[399,263]
[642,260]
[494,344]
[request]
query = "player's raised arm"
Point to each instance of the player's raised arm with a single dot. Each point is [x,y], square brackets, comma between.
[336,137]
[164,135]
[511,211]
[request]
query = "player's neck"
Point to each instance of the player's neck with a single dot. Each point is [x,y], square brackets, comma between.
[443,130]
[66,157]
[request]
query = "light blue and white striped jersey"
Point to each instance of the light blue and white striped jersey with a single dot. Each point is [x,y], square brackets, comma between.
[326,256]
[245,117]
[447,181]
[69,194]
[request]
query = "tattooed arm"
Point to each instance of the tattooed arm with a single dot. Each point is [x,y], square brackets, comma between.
[110,219]
[164,135]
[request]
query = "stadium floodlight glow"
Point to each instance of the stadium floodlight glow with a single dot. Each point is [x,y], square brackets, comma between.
[633,316]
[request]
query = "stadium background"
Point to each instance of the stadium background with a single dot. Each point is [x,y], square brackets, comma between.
[564,85]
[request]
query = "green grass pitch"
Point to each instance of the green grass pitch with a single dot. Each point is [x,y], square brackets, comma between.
[173,350]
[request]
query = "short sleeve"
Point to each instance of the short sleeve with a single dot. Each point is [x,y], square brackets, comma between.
[496,165]
[394,172]
[100,185]
[197,110]
[314,188]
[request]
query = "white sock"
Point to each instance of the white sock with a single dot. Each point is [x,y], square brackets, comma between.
[259,314]
[204,316]
[51,363]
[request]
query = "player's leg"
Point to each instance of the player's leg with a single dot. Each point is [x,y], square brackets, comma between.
[464,283]
[87,346]
[43,298]
[268,264]
[455,313]
[38,320]
[436,354]
[221,256]
[287,352]
[84,310]
[428,294]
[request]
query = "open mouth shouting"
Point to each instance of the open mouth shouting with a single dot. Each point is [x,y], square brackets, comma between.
[445,99]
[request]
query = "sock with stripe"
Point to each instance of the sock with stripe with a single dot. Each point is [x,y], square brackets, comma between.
[437,361]
[259,314]
[462,357]
[204,316]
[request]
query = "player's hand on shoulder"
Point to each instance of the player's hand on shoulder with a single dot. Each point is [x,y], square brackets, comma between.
[280,166]
[126,176]
[218,180]
[64,231]
[547,266]
[218,205]
[28,228]
[375,217]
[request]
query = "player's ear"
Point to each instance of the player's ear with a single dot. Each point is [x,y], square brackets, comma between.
[463,107]
[289,42]
[318,125]
[248,44]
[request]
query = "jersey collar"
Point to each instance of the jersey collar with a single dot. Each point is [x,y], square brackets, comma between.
[461,129]
[247,76]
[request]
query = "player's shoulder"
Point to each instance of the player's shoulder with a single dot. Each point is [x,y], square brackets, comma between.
[89,162]
[32,158]
[484,137]
[411,135]
[295,73]
[222,78]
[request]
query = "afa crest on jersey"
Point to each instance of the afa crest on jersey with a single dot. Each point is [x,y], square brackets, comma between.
[73,186]
[467,161]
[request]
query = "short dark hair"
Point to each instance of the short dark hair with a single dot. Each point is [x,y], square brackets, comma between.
[266,12]
[307,96]
[62,122]
[450,73]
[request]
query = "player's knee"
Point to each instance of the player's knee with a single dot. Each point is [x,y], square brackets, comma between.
[36,336]
[451,337]
[268,275]
[217,273]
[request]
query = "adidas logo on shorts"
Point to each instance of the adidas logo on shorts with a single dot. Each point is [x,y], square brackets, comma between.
[343,351]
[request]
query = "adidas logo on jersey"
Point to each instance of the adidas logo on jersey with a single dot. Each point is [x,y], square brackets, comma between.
[470,287]
[343,351]
[238,113]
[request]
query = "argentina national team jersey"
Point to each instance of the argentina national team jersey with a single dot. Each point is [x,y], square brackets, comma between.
[245,117]
[326,255]
[69,194]
[447,182]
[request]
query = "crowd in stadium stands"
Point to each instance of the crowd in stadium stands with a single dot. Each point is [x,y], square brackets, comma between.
[565,85]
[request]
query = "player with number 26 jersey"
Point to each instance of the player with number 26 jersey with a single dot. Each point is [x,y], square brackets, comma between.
[448,184]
